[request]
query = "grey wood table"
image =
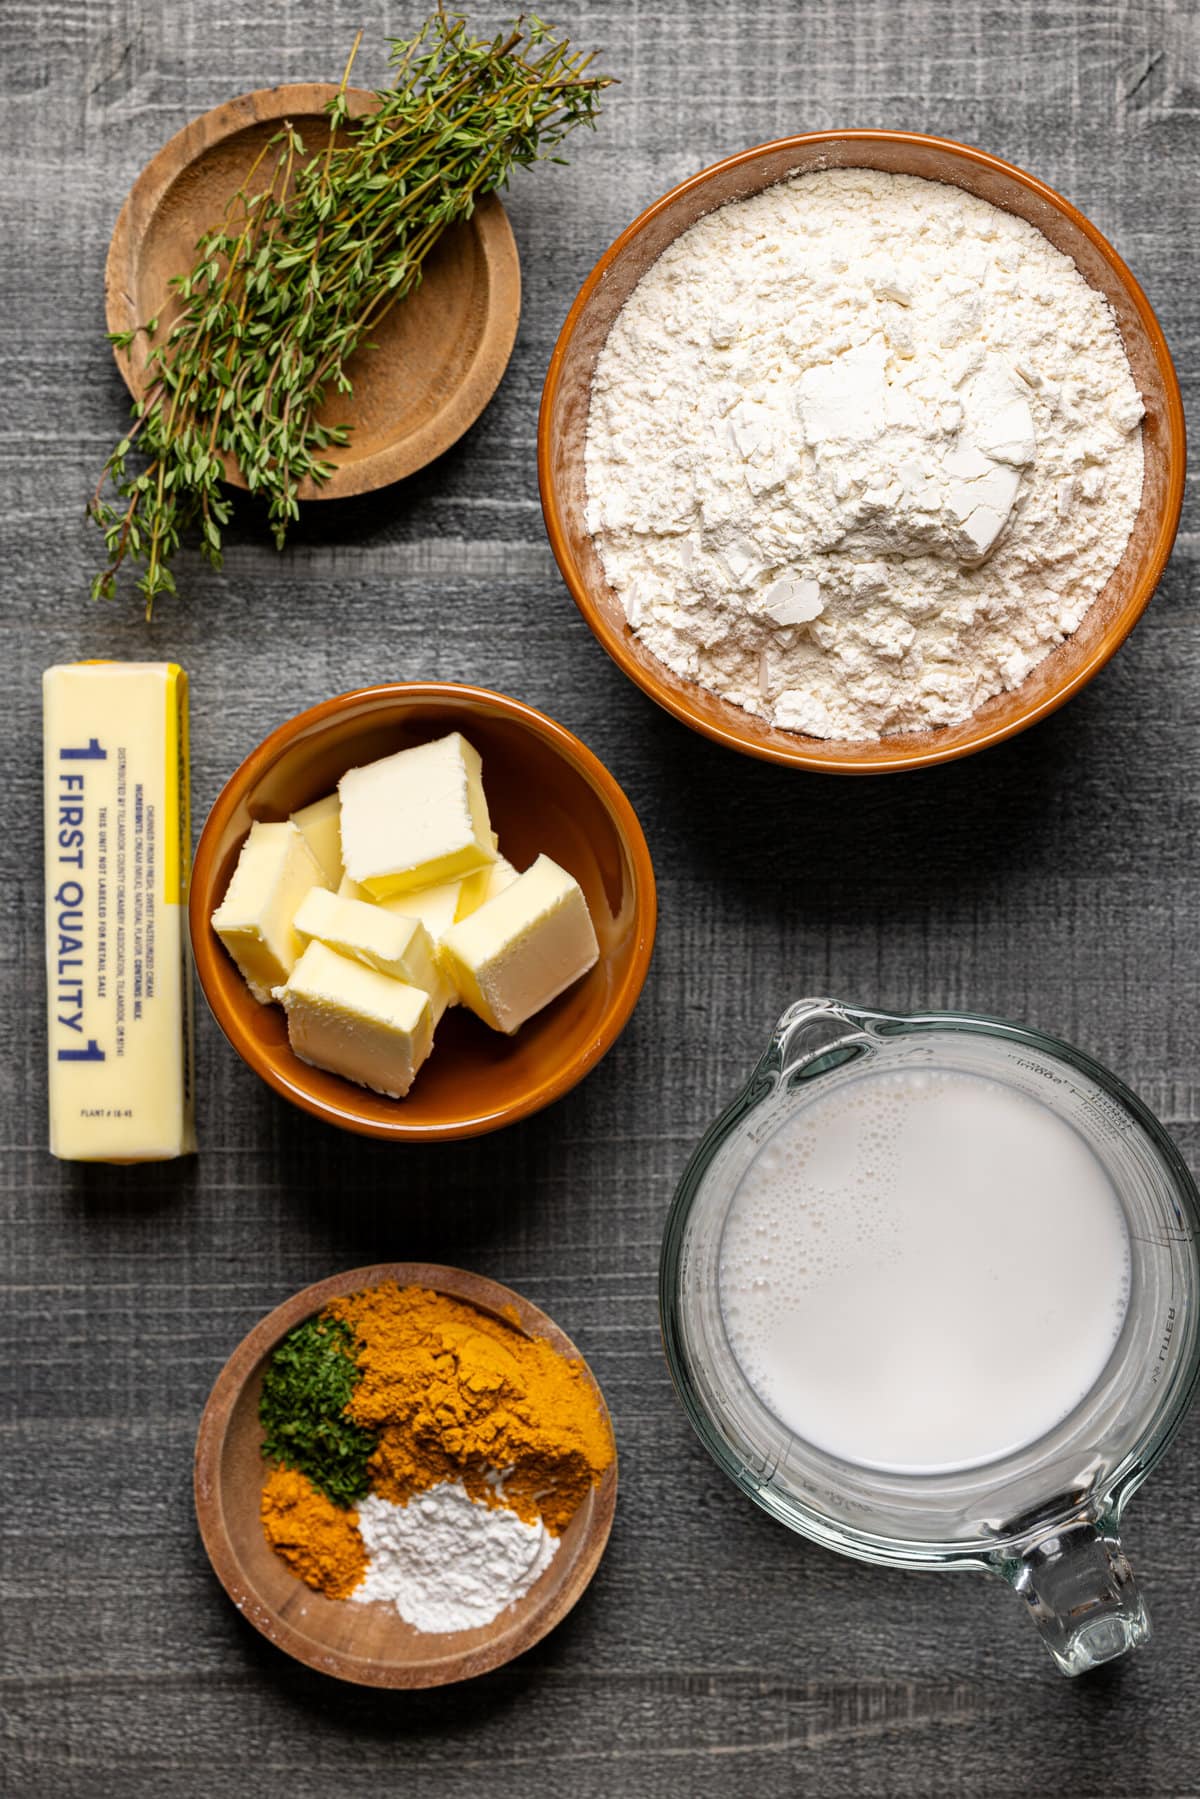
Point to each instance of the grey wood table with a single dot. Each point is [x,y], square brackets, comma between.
[1053,880]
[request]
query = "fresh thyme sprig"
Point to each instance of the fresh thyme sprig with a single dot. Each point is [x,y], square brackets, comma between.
[312,252]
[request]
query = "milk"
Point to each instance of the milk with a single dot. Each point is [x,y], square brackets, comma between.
[923,1270]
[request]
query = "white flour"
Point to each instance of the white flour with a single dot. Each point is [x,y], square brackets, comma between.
[446,1561]
[861,450]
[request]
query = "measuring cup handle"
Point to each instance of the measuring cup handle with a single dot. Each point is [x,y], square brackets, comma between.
[811,1028]
[1081,1593]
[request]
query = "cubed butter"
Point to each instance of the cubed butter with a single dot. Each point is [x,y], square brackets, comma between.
[255,920]
[353,1021]
[320,825]
[434,906]
[392,944]
[348,889]
[482,886]
[523,948]
[415,818]
[117,861]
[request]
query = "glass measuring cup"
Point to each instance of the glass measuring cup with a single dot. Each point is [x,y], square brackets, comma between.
[1044,1517]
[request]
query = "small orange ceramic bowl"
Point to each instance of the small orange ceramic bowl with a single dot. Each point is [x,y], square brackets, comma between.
[562,433]
[546,792]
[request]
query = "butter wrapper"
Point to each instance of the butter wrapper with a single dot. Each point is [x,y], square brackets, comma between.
[118,854]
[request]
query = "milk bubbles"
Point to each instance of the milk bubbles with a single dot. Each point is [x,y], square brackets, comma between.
[923,1269]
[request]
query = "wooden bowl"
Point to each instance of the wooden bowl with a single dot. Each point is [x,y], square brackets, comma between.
[563,427]
[370,1644]
[431,365]
[545,792]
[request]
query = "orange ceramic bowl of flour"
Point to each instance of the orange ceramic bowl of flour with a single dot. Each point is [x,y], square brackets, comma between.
[564,423]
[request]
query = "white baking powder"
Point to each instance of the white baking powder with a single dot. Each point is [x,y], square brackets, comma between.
[861,450]
[446,1561]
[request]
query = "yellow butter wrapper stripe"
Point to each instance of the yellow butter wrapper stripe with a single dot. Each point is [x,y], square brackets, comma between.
[118,853]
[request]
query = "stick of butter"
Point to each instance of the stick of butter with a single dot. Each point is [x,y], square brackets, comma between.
[320,825]
[118,853]
[274,872]
[397,946]
[356,1022]
[416,818]
[523,948]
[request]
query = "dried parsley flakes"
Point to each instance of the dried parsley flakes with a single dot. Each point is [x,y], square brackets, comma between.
[305,1390]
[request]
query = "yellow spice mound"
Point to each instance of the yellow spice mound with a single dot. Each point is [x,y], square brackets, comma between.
[317,1539]
[457,1395]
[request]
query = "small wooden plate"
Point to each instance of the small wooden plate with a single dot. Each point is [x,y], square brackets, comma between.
[370,1644]
[432,364]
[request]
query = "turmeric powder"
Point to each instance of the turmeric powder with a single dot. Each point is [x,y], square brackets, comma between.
[317,1539]
[453,1393]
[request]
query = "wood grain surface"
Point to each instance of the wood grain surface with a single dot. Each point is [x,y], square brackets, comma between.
[1054,879]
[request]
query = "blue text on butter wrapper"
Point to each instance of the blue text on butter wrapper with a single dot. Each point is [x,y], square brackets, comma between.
[68,898]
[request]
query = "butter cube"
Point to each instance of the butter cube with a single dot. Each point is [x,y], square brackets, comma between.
[320,825]
[397,946]
[356,1022]
[523,948]
[415,818]
[483,885]
[435,907]
[254,921]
